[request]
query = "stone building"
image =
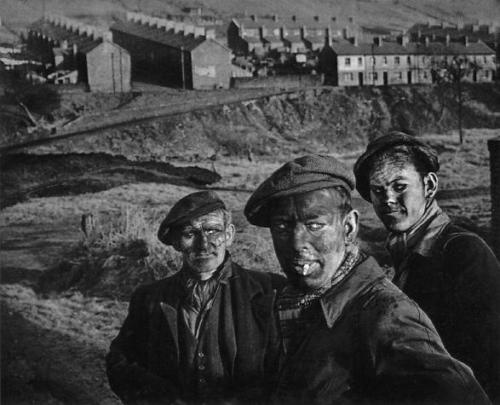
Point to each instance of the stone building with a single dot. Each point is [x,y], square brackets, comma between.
[67,46]
[389,62]
[174,53]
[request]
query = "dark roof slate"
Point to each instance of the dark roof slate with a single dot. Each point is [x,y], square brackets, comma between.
[168,38]
[84,44]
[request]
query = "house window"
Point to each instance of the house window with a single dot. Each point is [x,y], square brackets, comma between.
[408,60]
[375,76]
[373,60]
[396,60]
[485,59]
[425,74]
[400,75]
[351,77]
[486,74]
[360,61]
[348,61]
[385,60]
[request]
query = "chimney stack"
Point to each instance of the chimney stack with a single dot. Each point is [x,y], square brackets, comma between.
[466,41]
[427,41]
[316,18]
[294,18]
[403,40]
[210,33]
[253,17]
[199,32]
[275,17]
[447,40]
[354,40]
[351,19]
[334,19]
[377,41]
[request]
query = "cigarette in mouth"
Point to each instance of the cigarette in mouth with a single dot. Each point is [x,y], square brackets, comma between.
[305,269]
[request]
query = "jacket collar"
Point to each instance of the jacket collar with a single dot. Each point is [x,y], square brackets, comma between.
[337,298]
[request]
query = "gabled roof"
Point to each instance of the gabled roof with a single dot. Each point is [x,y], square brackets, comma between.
[168,38]
[411,48]
[57,33]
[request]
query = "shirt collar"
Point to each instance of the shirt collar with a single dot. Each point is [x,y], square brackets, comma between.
[335,300]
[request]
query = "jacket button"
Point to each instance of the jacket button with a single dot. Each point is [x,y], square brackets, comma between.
[201,367]
[201,355]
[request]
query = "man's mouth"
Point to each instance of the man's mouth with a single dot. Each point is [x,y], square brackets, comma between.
[305,268]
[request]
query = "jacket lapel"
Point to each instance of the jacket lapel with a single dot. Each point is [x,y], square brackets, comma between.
[169,305]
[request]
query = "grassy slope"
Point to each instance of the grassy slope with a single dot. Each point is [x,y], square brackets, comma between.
[391,13]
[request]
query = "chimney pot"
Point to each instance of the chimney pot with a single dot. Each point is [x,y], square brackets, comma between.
[316,18]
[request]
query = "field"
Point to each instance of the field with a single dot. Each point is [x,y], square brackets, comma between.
[64,295]
[396,14]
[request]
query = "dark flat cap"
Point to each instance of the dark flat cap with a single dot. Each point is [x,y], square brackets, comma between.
[187,208]
[362,167]
[302,175]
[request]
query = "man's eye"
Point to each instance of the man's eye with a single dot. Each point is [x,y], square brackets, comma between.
[187,234]
[377,190]
[315,226]
[399,188]
[280,226]
[212,231]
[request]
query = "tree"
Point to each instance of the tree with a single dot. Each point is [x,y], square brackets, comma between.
[454,71]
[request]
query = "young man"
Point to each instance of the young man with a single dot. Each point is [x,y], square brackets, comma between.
[206,334]
[450,272]
[349,334]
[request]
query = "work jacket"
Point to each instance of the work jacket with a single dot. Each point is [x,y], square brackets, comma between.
[372,344]
[455,278]
[146,360]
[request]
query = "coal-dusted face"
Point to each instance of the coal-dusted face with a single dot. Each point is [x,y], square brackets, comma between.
[400,194]
[309,234]
[203,242]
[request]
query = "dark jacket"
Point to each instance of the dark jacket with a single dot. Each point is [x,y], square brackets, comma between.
[144,362]
[457,283]
[373,344]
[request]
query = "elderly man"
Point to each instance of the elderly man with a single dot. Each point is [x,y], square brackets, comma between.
[206,334]
[450,272]
[349,334]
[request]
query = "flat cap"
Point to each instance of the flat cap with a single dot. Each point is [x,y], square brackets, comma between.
[362,167]
[189,207]
[302,175]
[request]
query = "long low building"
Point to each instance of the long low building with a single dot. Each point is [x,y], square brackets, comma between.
[64,44]
[174,53]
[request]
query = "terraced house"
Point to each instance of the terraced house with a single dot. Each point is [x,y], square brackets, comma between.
[79,53]
[261,35]
[391,62]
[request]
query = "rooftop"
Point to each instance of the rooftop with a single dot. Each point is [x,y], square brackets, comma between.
[159,35]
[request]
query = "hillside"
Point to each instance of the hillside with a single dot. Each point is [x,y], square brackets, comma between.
[396,14]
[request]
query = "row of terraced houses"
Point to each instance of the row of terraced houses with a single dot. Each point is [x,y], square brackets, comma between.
[190,54]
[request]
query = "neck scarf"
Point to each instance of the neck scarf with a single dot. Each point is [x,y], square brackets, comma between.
[419,237]
[297,309]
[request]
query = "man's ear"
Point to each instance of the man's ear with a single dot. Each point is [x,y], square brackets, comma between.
[351,226]
[229,234]
[430,185]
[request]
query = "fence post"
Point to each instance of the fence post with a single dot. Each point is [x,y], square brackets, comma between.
[494,148]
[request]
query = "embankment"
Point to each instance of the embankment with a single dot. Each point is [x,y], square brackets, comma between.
[321,120]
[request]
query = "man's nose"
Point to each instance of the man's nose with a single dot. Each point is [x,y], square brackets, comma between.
[390,197]
[202,240]
[300,238]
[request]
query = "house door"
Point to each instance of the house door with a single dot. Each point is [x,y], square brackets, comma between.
[386,78]
[409,77]
[360,78]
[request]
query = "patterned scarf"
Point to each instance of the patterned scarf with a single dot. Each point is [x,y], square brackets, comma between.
[419,237]
[298,309]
